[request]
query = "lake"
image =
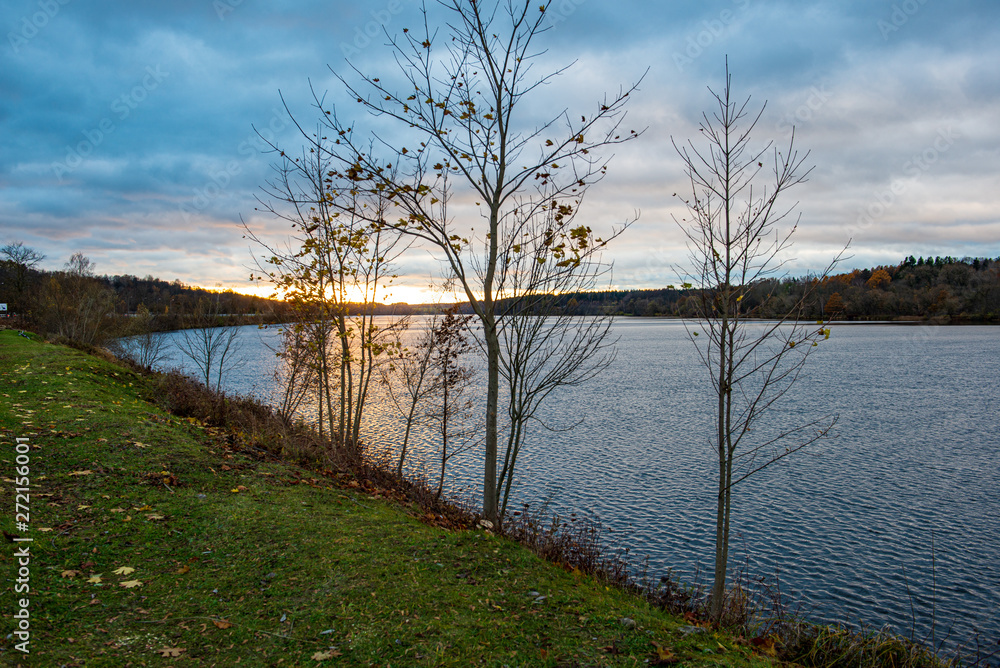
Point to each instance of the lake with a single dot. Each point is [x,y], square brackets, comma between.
[895,520]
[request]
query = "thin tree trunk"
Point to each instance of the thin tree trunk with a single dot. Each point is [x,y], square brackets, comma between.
[444,435]
[490,508]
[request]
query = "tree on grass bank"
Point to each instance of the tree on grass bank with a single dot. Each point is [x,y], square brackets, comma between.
[77,305]
[738,240]
[330,274]
[466,105]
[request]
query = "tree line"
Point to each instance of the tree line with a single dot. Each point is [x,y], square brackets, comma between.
[945,289]
[77,303]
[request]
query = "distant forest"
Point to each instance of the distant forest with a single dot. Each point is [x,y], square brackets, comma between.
[78,304]
[942,289]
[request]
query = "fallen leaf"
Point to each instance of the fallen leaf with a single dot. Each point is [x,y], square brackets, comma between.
[170,651]
[118,510]
[146,507]
[45,529]
[95,579]
[182,570]
[124,570]
[764,644]
[130,584]
[105,496]
[222,623]
[82,507]
[81,472]
[664,655]
[69,574]
[155,518]
[323,656]
[94,601]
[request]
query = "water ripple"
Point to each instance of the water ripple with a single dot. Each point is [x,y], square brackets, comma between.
[895,521]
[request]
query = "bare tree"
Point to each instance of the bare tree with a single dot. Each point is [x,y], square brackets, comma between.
[465,102]
[545,346]
[296,374]
[18,260]
[331,273]
[450,343]
[409,382]
[138,341]
[76,304]
[212,345]
[737,240]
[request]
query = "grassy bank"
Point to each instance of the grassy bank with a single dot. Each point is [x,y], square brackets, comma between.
[158,541]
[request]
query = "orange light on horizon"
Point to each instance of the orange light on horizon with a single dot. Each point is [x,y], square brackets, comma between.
[397,294]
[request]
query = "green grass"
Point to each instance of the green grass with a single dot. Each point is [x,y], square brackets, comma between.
[253,562]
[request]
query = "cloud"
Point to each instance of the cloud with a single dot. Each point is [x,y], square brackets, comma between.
[129,128]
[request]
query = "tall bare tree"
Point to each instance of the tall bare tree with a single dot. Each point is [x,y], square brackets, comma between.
[738,238]
[469,104]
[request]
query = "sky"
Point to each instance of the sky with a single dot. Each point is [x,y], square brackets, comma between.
[129,130]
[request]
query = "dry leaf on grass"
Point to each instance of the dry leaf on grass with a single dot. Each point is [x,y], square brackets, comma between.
[170,651]
[95,579]
[81,472]
[69,574]
[124,570]
[222,623]
[129,584]
[323,656]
